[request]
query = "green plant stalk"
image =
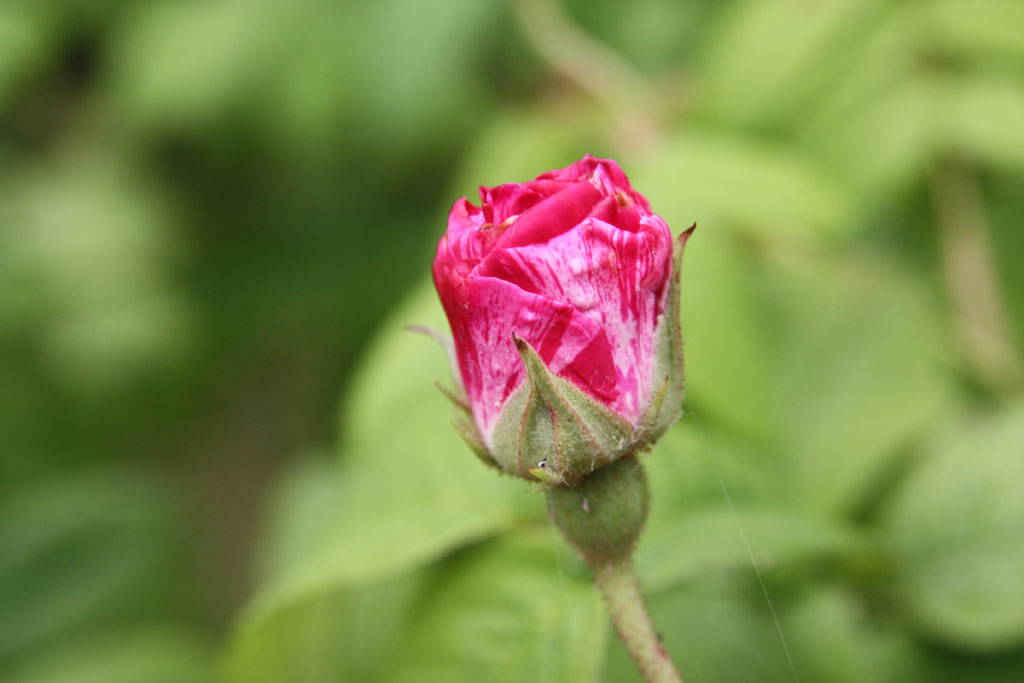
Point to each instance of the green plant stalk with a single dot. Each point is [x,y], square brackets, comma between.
[621,590]
[602,517]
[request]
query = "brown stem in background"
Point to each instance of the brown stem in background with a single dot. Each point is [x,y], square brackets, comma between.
[971,276]
[594,68]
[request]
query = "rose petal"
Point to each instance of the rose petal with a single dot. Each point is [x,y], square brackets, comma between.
[560,212]
[614,277]
[606,175]
[484,312]
[618,210]
[512,199]
[586,167]
[467,241]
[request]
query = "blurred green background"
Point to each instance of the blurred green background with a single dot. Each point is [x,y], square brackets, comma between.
[217,217]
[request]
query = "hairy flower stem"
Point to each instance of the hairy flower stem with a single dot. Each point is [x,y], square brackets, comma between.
[621,590]
[602,516]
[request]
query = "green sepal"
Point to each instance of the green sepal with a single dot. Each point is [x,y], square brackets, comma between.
[460,402]
[550,425]
[463,422]
[467,430]
[459,396]
[666,405]
[522,438]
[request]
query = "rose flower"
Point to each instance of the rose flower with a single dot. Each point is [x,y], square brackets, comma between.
[562,296]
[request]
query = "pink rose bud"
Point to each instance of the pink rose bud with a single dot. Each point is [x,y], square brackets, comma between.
[562,295]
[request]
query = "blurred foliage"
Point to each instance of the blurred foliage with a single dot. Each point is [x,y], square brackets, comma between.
[209,211]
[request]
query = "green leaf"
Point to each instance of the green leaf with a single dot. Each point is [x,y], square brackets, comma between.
[400,446]
[769,60]
[650,34]
[977,28]
[721,629]
[349,633]
[90,252]
[305,497]
[683,544]
[26,41]
[686,463]
[417,83]
[142,655]
[769,190]
[79,551]
[924,663]
[984,118]
[306,72]
[518,145]
[859,377]
[880,136]
[833,635]
[406,491]
[957,529]
[189,63]
[693,532]
[1004,209]
[506,611]
[727,366]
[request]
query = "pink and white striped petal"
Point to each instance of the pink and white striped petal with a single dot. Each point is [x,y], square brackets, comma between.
[615,278]
[571,344]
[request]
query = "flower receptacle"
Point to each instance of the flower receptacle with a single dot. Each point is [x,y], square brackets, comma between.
[603,515]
